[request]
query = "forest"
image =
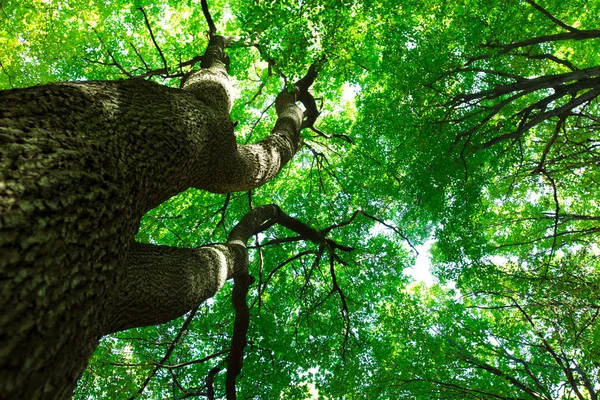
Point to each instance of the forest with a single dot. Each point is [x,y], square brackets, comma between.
[308,199]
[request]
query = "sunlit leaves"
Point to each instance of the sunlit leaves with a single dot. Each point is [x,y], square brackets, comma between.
[403,138]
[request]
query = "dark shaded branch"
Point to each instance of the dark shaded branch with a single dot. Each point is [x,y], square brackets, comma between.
[587,231]
[546,345]
[137,53]
[305,97]
[308,273]
[341,136]
[340,224]
[235,361]
[263,217]
[551,17]
[7,75]
[162,56]
[546,150]
[114,61]
[257,121]
[430,85]
[165,72]
[182,331]
[575,102]
[589,386]
[556,214]
[531,85]
[168,227]
[277,268]
[392,227]
[223,211]
[574,217]
[526,366]
[551,57]
[198,361]
[498,372]
[261,266]
[212,29]
[345,310]
[210,380]
[258,220]
[457,389]
[395,229]
[272,64]
[506,48]
[262,85]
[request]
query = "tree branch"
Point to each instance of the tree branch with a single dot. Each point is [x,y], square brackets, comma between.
[258,220]
[235,361]
[524,127]
[305,97]
[182,330]
[161,283]
[137,53]
[506,48]
[256,164]
[7,75]
[210,380]
[162,56]
[549,144]
[551,17]
[212,29]
[198,361]
[114,61]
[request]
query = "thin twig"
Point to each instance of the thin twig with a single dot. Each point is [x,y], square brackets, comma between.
[137,53]
[392,227]
[162,56]
[223,211]
[546,150]
[114,61]
[345,311]
[7,75]
[198,361]
[210,379]
[556,214]
[167,355]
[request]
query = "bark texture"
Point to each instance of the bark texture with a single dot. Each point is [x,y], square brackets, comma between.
[80,164]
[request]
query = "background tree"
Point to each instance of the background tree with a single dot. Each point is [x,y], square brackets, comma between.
[468,122]
[503,156]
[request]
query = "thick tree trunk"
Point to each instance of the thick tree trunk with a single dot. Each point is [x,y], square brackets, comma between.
[80,164]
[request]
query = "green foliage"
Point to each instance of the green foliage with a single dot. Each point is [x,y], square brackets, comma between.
[515,221]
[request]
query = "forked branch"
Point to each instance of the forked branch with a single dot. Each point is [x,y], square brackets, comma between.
[258,220]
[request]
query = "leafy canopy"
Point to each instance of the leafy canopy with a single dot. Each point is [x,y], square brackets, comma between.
[469,123]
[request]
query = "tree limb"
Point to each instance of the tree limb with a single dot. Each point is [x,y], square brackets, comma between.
[258,220]
[7,75]
[212,29]
[551,17]
[182,330]
[162,56]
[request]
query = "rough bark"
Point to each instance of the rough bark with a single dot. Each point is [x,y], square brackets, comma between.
[80,164]
[160,283]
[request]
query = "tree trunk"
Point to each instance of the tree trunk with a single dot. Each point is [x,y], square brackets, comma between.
[80,164]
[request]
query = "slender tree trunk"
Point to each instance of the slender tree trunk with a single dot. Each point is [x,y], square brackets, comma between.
[80,164]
